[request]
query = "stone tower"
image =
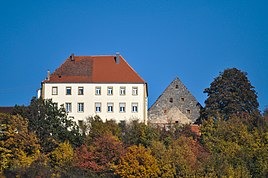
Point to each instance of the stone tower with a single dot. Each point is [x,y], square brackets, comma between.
[175,105]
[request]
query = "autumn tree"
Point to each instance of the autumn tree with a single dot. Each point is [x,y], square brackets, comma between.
[99,157]
[237,150]
[18,146]
[137,162]
[50,124]
[230,93]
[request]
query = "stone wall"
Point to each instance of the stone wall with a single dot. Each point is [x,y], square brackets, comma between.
[175,105]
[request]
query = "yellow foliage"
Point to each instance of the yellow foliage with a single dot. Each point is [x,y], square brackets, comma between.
[62,155]
[137,162]
[18,147]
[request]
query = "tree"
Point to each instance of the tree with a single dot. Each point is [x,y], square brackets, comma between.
[137,162]
[50,124]
[230,93]
[99,157]
[18,146]
[62,156]
[237,150]
[137,133]
[94,127]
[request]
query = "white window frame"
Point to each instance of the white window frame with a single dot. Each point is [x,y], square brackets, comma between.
[54,90]
[110,107]
[68,107]
[122,107]
[98,107]
[122,91]
[80,90]
[80,107]
[109,90]
[134,107]
[135,91]
[67,89]
[98,91]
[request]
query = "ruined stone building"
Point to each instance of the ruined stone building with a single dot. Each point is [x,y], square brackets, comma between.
[175,105]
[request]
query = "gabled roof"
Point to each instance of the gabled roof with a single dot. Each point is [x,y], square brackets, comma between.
[94,69]
[176,95]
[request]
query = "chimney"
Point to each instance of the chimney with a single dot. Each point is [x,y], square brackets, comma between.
[117,58]
[72,57]
[48,74]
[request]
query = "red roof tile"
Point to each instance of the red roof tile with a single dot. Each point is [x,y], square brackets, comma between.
[6,109]
[94,69]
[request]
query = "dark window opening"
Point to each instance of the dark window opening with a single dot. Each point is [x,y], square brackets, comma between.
[182,99]
[171,100]
[188,111]
[176,122]
[177,86]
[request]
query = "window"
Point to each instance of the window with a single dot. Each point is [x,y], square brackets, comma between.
[98,107]
[54,90]
[110,107]
[182,99]
[122,90]
[171,100]
[110,91]
[188,111]
[80,107]
[122,107]
[134,90]
[55,105]
[134,107]
[98,91]
[177,86]
[80,90]
[68,90]
[68,107]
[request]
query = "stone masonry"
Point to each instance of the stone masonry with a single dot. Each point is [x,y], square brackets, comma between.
[175,105]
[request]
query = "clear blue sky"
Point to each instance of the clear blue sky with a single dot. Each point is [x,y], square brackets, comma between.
[194,40]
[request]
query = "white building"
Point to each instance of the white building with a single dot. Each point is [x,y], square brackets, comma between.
[106,86]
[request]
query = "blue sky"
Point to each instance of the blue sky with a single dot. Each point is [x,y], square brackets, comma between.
[194,40]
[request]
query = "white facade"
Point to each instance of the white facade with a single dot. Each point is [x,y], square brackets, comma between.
[117,101]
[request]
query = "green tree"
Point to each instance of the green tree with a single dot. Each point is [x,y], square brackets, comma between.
[50,124]
[230,93]
[136,133]
[237,149]
[94,127]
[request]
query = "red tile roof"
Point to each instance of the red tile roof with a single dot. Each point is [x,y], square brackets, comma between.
[94,69]
[196,129]
[6,109]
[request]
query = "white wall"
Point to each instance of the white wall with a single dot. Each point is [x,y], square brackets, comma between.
[89,99]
